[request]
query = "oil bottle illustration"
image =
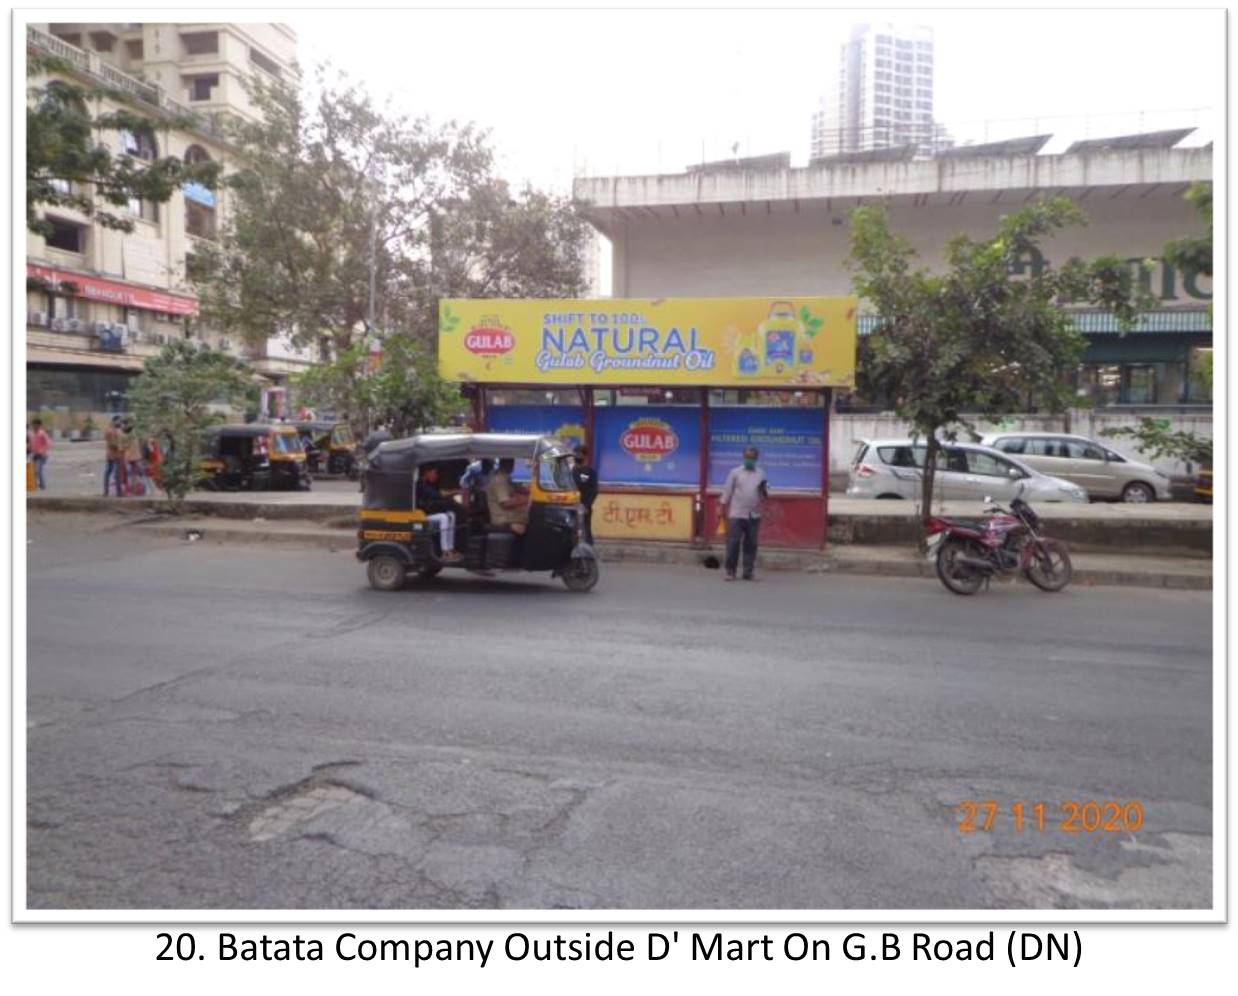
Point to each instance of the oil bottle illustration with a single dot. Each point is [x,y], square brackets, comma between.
[747,355]
[777,336]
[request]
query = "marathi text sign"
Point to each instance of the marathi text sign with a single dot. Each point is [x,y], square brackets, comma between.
[113,291]
[789,441]
[632,516]
[739,342]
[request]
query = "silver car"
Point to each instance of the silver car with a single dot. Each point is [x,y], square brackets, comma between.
[892,468]
[1087,463]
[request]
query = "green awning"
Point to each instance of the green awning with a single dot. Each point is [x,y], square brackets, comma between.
[1193,322]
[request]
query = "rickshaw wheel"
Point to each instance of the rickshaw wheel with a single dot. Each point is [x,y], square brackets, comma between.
[386,573]
[581,574]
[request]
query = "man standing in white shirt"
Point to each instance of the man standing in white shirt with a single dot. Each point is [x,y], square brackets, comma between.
[742,496]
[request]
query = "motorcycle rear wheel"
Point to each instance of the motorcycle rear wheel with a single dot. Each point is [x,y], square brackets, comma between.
[958,578]
[1050,569]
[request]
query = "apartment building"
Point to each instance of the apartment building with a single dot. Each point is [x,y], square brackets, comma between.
[100,301]
[879,94]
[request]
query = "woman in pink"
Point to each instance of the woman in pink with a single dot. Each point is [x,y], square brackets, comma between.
[40,449]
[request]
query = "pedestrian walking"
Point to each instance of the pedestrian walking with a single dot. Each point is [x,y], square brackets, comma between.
[742,496]
[113,441]
[587,484]
[40,450]
[135,483]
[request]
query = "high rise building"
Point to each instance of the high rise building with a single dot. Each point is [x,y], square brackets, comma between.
[99,301]
[879,93]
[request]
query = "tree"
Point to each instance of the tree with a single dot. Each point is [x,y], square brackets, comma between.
[403,392]
[1195,253]
[67,165]
[349,218]
[1154,438]
[976,335]
[177,398]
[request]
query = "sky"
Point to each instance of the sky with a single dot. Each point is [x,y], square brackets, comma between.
[621,92]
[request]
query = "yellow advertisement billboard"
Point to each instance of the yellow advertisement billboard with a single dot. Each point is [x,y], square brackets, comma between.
[758,342]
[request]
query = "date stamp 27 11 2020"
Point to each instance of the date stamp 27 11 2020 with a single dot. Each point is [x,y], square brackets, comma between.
[1071,816]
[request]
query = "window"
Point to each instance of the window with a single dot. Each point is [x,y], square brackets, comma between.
[265,63]
[66,236]
[73,38]
[902,456]
[1079,450]
[145,210]
[201,43]
[139,144]
[987,465]
[133,319]
[1042,446]
[199,220]
[103,41]
[135,50]
[63,307]
[1011,444]
[201,87]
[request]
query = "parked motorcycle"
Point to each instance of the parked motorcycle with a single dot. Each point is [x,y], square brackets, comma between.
[968,555]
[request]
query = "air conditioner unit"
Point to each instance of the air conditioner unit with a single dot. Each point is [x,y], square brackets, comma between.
[38,318]
[58,325]
[103,328]
[74,325]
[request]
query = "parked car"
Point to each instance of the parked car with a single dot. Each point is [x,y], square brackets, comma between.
[1103,472]
[892,468]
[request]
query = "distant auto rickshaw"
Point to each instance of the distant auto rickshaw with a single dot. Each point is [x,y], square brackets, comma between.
[330,448]
[1203,485]
[397,538]
[254,457]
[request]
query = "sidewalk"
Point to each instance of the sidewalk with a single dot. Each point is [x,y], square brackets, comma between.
[1191,573]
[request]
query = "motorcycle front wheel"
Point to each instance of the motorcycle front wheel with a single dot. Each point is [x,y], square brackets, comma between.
[958,578]
[1050,569]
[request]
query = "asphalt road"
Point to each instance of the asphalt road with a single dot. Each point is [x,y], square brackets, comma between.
[230,727]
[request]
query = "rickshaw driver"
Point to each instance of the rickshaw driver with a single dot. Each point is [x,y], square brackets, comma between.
[509,504]
[438,510]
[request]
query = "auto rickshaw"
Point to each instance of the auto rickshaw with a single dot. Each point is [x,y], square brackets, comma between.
[329,448]
[397,539]
[254,457]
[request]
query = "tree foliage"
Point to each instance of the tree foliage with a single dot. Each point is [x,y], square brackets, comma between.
[403,392]
[68,165]
[1194,253]
[1154,438]
[336,187]
[975,335]
[176,399]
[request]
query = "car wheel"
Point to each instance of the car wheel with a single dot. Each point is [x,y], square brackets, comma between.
[386,573]
[1138,493]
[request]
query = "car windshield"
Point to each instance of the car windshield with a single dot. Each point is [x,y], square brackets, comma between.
[554,473]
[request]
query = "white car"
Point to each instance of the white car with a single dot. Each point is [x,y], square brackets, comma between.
[892,468]
[1102,471]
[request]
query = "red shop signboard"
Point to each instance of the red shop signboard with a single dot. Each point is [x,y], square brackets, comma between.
[115,292]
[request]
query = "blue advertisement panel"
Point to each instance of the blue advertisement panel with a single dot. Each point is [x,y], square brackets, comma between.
[648,444]
[565,421]
[789,440]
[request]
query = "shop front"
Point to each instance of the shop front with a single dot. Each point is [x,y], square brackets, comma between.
[666,394]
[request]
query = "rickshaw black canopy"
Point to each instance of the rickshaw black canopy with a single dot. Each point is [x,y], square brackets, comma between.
[391,463]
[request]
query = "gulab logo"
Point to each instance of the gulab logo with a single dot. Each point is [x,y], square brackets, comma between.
[489,340]
[649,439]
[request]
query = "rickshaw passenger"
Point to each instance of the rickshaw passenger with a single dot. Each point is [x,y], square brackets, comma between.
[439,510]
[509,504]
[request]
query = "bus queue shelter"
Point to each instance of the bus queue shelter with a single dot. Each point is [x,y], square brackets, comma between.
[666,393]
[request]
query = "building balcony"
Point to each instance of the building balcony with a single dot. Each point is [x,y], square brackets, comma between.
[90,65]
